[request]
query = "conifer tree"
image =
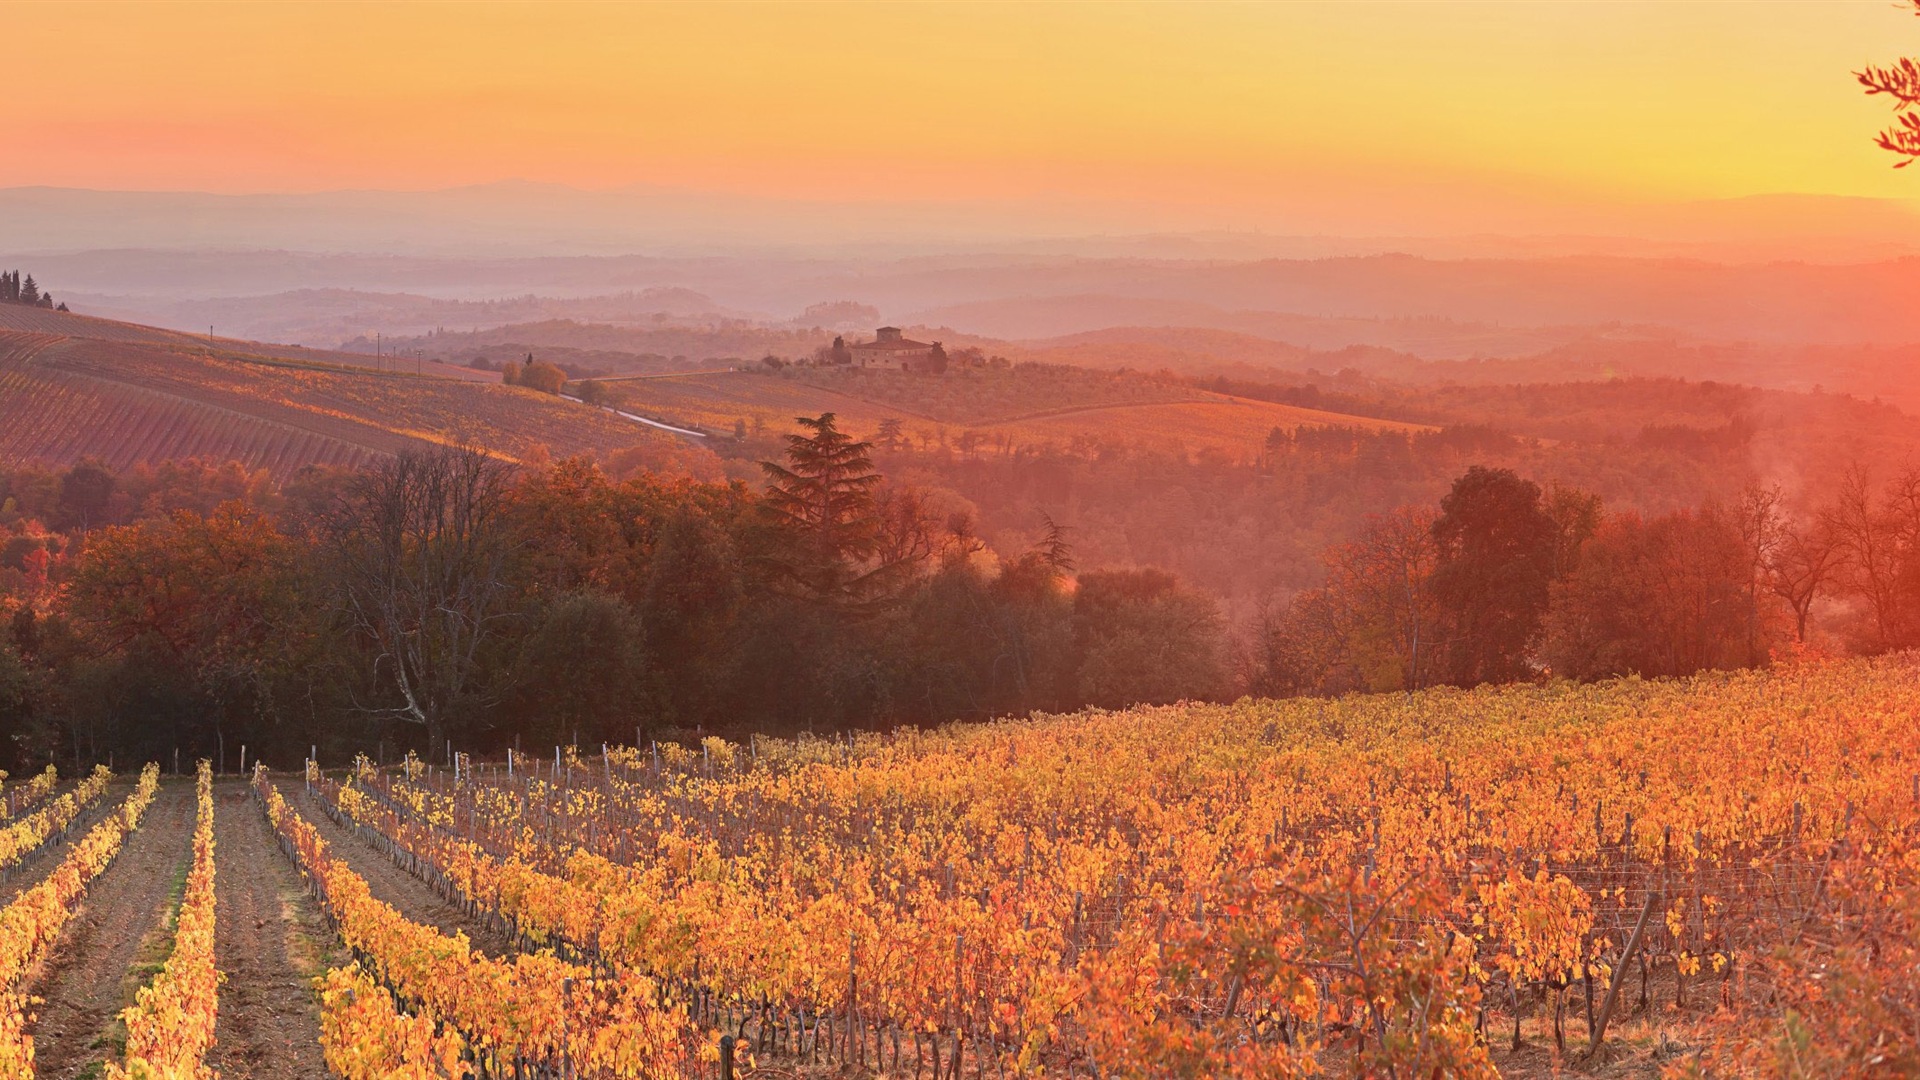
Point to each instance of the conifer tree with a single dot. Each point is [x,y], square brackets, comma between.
[824,497]
[29,291]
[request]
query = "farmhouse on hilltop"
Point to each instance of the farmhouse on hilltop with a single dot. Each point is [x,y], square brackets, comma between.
[889,349]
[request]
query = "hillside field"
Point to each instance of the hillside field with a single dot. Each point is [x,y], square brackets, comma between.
[1721,870]
[133,395]
[68,324]
[1058,407]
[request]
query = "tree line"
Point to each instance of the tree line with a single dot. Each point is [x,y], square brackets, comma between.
[14,290]
[446,597]
[534,375]
[1504,581]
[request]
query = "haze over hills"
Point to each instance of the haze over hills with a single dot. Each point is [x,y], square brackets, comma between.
[520,218]
[1169,470]
[1014,296]
[1786,292]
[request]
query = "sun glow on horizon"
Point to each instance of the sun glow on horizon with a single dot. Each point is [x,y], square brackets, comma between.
[1204,112]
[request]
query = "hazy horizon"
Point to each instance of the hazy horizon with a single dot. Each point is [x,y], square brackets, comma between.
[1726,131]
[524,219]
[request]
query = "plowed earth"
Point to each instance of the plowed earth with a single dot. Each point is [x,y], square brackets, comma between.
[390,884]
[86,982]
[270,940]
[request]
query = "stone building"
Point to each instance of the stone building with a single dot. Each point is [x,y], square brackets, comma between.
[890,349]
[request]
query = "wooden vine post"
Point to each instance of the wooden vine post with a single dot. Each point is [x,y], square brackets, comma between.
[1599,1033]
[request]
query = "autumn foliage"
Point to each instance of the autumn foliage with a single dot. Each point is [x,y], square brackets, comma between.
[170,1025]
[1373,886]
[31,924]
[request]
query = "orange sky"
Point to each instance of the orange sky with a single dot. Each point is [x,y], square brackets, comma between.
[1208,114]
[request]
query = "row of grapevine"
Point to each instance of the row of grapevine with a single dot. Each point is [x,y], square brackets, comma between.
[23,837]
[32,922]
[533,1015]
[22,797]
[366,1037]
[170,1024]
[585,917]
[1061,889]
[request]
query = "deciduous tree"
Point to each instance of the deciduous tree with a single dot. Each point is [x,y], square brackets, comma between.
[418,555]
[222,600]
[1495,563]
[1667,596]
[1143,638]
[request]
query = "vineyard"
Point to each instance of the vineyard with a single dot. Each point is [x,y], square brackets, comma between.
[128,401]
[1717,876]
[66,324]
[1026,406]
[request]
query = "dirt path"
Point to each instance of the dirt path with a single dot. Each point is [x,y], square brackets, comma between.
[91,975]
[270,941]
[390,884]
[34,868]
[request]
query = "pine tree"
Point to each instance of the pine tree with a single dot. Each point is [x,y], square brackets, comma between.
[1053,548]
[29,291]
[10,287]
[823,496]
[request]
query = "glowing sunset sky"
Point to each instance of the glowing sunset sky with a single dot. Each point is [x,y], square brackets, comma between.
[1208,113]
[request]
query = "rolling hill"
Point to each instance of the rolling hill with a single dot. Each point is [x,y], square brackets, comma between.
[73,387]
[1026,405]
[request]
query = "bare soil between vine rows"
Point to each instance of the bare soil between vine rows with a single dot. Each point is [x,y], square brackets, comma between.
[408,895]
[85,983]
[270,942]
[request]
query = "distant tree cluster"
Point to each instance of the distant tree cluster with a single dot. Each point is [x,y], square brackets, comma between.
[16,290]
[838,313]
[1507,582]
[446,596]
[534,375]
